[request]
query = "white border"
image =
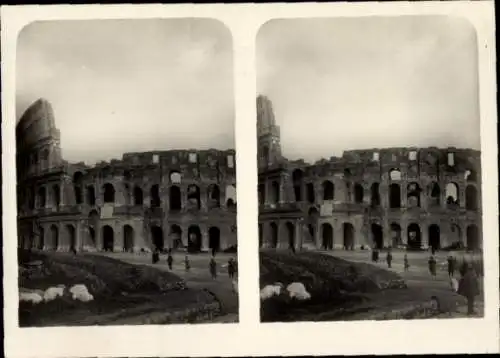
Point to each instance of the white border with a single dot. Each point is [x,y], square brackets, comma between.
[250,337]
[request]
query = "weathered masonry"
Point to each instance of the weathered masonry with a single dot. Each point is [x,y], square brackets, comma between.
[178,199]
[397,197]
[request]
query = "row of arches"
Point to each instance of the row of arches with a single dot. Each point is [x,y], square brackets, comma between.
[108,238]
[136,196]
[52,197]
[414,237]
[291,239]
[413,190]
[194,243]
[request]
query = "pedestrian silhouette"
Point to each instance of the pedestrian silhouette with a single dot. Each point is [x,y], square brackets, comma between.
[170,261]
[406,263]
[213,268]
[432,266]
[389,258]
[469,288]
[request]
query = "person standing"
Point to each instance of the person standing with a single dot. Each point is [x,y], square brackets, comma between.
[389,258]
[451,266]
[187,264]
[156,256]
[406,263]
[469,288]
[230,268]
[432,266]
[213,268]
[170,260]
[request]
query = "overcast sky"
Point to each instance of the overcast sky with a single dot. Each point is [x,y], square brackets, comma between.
[130,85]
[339,84]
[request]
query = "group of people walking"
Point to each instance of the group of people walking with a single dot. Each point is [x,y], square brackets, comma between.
[470,271]
[212,266]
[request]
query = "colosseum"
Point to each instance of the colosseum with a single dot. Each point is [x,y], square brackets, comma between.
[176,199]
[413,198]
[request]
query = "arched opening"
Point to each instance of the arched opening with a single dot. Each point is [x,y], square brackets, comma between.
[274,235]
[452,195]
[473,238]
[155,200]
[290,229]
[434,237]
[42,197]
[414,237]
[91,195]
[471,198]
[395,174]
[413,195]
[71,236]
[213,196]
[41,239]
[311,197]
[328,190]
[92,235]
[214,238]
[309,234]
[375,195]
[275,192]
[175,198]
[327,236]
[297,176]
[77,187]
[358,193]
[128,238]
[434,194]
[54,235]
[396,239]
[348,236]
[260,236]
[194,239]
[157,238]
[108,238]
[31,198]
[176,236]
[265,156]
[394,196]
[109,193]
[262,194]
[138,196]
[193,197]
[56,195]
[377,236]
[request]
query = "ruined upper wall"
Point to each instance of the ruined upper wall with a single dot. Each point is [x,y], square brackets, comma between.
[411,161]
[37,141]
[36,124]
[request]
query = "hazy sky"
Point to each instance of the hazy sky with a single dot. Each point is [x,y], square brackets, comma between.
[130,85]
[339,84]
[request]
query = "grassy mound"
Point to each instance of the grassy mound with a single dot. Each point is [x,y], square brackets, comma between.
[332,282]
[120,290]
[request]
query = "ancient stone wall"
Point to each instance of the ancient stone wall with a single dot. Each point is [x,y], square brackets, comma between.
[408,197]
[164,199]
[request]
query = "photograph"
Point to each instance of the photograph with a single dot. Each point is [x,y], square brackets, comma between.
[126,173]
[369,169]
